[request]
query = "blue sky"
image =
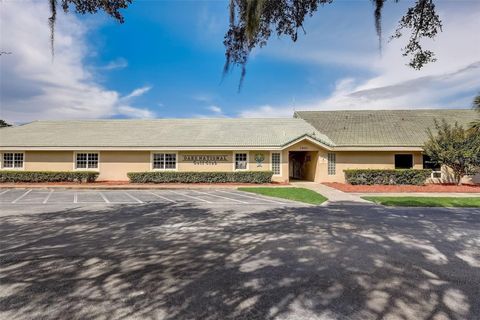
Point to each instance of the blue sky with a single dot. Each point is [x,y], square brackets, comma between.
[166,60]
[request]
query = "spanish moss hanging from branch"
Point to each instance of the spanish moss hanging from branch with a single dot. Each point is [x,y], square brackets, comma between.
[110,7]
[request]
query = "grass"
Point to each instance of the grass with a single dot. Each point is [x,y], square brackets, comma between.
[469,202]
[295,194]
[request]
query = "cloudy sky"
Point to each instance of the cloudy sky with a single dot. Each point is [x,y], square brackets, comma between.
[166,60]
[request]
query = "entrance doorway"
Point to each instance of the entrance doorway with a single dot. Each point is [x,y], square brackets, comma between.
[297,165]
[302,164]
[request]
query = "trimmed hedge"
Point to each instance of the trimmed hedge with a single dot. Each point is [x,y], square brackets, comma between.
[47,176]
[387,177]
[201,177]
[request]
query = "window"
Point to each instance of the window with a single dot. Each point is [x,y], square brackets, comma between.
[276,163]
[436,168]
[162,161]
[86,161]
[240,161]
[12,160]
[403,161]
[332,164]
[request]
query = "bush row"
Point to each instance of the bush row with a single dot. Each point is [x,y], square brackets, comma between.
[399,176]
[201,177]
[47,176]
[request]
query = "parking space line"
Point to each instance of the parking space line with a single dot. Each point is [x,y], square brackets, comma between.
[161,197]
[75,197]
[103,197]
[214,195]
[23,195]
[48,197]
[186,195]
[132,197]
[252,197]
[5,191]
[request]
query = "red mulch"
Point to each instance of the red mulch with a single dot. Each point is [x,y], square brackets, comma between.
[404,188]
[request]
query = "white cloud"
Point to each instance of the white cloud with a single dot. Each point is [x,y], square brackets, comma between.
[119,63]
[451,82]
[132,112]
[137,92]
[215,109]
[32,86]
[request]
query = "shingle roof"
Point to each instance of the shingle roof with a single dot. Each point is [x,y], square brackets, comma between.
[382,127]
[159,133]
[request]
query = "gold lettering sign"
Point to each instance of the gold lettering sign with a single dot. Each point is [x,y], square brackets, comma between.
[199,159]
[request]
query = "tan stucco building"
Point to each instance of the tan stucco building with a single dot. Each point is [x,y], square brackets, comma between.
[315,146]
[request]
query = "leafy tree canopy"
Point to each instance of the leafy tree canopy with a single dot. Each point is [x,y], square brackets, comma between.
[252,22]
[3,124]
[454,147]
[475,126]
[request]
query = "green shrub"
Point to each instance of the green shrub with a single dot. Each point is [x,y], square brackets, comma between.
[201,177]
[394,176]
[47,176]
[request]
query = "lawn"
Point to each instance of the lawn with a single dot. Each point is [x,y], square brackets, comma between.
[295,194]
[470,202]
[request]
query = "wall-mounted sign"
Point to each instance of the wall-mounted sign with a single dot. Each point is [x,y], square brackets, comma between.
[199,159]
[259,158]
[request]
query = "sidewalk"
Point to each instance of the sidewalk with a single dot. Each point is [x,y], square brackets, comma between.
[417,194]
[333,195]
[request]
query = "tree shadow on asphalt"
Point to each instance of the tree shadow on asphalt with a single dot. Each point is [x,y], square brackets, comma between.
[182,261]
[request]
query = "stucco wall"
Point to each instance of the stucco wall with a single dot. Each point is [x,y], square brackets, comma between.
[48,160]
[360,160]
[114,165]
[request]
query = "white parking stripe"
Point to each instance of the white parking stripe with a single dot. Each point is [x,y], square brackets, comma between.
[21,197]
[252,197]
[162,197]
[214,195]
[132,197]
[48,196]
[75,197]
[186,195]
[5,191]
[103,197]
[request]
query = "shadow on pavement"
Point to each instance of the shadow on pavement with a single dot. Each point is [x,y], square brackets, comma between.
[187,262]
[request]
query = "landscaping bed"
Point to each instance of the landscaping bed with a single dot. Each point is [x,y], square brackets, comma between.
[289,193]
[446,202]
[447,188]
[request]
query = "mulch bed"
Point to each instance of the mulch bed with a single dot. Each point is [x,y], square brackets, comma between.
[447,188]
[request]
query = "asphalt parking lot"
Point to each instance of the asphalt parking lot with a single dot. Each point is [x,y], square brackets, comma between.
[79,197]
[127,254]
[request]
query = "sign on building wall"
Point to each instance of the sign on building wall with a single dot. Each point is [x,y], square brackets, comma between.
[201,159]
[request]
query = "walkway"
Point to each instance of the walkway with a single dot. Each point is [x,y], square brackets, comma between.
[333,195]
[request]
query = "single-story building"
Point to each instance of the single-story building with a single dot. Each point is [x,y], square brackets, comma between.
[313,145]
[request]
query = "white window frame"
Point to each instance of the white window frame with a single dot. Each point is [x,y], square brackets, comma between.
[330,156]
[86,169]
[13,168]
[280,164]
[164,152]
[235,157]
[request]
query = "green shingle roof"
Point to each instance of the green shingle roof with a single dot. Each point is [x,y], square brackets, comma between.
[389,128]
[160,133]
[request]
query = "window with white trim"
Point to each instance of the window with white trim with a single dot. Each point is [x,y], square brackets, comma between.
[332,164]
[240,161]
[164,161]
[86,160]
[276,163]
[12,160]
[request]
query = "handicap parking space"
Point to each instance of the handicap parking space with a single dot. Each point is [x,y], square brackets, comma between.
[160,196]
